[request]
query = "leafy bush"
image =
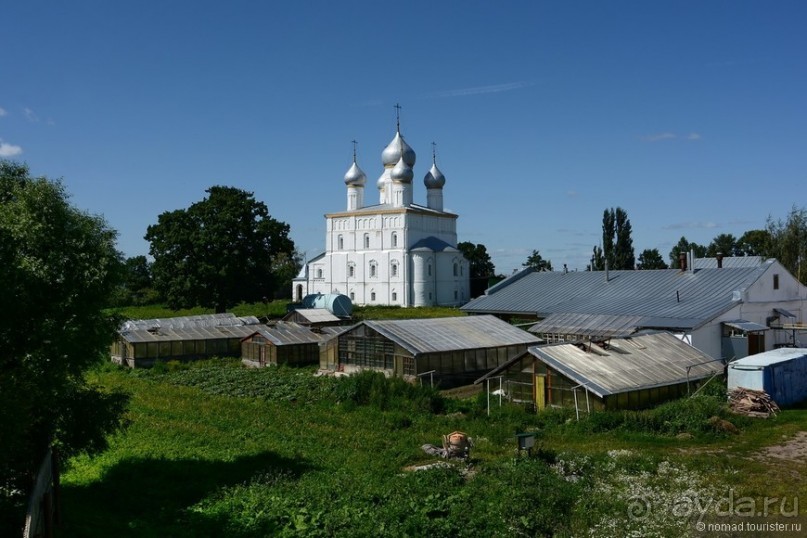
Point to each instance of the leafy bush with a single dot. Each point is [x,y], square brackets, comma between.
[387,393]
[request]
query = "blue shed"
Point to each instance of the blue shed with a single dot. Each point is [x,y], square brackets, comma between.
[782,373]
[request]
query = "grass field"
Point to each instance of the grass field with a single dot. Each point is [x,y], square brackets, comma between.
[277,309]
[212,449]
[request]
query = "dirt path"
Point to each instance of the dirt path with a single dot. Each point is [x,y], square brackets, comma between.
[795,449]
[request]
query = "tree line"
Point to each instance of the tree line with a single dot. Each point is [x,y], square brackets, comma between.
[784,239]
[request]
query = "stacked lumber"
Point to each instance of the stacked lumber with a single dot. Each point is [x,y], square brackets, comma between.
[753,403]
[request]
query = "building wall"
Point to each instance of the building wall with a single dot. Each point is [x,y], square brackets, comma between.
[368,259]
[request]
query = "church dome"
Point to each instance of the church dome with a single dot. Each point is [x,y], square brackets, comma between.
[434,178]
[397,148]
[402,172]
[355,177]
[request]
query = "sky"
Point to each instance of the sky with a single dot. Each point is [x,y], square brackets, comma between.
[690,115]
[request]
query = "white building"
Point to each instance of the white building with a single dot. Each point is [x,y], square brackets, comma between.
[393,253]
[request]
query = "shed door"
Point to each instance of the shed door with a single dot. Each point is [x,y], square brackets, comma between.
[540,394]
[756,343]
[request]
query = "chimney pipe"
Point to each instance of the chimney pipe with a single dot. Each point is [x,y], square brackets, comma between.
[606,270]
[692,260]
[720,260]
[682,261]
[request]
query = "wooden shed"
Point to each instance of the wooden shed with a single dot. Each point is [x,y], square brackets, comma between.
[312,317]
[633,372]
[449,351]
[282,343]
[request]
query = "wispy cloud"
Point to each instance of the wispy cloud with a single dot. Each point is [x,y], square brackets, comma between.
[478,90]
[30,115]
[691,225]
[572,193]
[3,111]
[657,137]
[9,150]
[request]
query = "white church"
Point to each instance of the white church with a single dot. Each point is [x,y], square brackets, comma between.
[395,252]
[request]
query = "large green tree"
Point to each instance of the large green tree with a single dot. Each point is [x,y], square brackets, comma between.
[537,262]
[481,267]
[651,259]
[685,246]
[788,242]
[755,243]
[617,243]
[219,251]
[725,244]
[58,269]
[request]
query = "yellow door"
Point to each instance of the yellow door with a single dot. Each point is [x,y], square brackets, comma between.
[540,398]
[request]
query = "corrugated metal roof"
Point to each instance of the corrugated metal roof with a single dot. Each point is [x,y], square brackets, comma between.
[729,262]
[669,296]
[589,325]
[315,315]
[632,363]
[187,322]
[432,243]
[774,356]
[451,334]
[175,334]
[283,334]
[747,326]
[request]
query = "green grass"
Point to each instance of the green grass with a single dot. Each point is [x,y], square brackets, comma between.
[216,450]
[277,309]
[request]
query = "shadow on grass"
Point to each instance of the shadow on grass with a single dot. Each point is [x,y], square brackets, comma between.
[150,497]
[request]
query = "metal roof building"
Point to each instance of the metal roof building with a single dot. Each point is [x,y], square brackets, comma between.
[692,303]
[282,343]
[630,373]
[450,350]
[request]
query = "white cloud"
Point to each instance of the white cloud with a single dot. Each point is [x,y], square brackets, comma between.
[477,90]
[659,136]
[3,111]
[571,193]
[30,115]
[694,136]
[694,225]
[9,150]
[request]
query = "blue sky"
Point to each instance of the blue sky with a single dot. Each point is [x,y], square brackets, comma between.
[692,116]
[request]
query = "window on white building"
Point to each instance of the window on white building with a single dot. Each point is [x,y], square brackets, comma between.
[372,296]
[372,270]
[366,240]
[393,269]
[351,270]
[430,269]
[340,242]
[455,271]
[394,239]
[394,296]
[352,296]
[319,273]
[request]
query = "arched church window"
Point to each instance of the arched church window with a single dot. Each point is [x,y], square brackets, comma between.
[394,239]
[394,296]
[372,296]
[393,269]
[372,269]
[366,240]
[429,268]
[340,242]
[352,296]
[455,270]
[351,270]
[319,273]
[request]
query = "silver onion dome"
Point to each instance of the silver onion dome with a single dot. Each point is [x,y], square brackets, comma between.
[402,172]
[395,149]
[355,177]
[434,178]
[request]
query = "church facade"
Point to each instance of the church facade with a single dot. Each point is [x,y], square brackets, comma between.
[395,252]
